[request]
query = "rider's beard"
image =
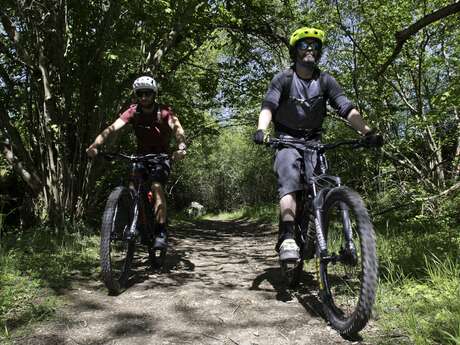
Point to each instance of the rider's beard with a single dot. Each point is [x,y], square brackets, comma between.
[307,61]
[308,64]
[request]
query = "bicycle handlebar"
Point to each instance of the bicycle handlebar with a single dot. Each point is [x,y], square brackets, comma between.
[295,142]
[135,158]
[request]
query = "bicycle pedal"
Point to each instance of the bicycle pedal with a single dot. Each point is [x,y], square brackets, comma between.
[291,265]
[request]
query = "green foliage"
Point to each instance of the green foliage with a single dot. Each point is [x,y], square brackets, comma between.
[21,299]
[34,266]
[407,236]
[429,309]
[264,213]
[226,172]
[420,269]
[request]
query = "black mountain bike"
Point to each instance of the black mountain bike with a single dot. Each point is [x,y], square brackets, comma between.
[128,216]
[332,225]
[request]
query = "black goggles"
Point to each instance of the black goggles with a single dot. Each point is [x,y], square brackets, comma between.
[312,45]
[140,93]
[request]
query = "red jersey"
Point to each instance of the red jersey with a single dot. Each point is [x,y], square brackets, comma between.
[151,129]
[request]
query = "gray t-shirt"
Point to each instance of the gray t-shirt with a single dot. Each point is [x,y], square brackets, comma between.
[309,116]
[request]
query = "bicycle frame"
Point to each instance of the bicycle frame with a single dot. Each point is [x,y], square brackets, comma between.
[330,208]
[137,185]
[139,189]
[315,188]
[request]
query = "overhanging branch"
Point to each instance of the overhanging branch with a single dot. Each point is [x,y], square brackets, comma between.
[403,35]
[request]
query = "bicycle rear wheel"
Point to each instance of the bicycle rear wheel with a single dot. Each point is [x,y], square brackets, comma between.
[349,273]
[116,250]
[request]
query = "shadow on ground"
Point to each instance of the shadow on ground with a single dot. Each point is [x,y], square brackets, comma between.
[220,280]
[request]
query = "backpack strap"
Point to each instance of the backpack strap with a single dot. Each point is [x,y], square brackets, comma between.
[322,83]
[139,111]
[287,82]
[286,85]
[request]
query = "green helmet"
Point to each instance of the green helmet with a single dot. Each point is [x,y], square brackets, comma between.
[305,32]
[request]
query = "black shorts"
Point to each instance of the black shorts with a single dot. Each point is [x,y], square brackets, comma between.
[287,167]
[155,172]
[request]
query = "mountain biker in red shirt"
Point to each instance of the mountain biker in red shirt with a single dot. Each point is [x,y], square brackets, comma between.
[296,103]
[153,124]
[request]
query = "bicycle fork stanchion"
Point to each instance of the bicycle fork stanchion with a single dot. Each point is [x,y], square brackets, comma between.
[319,233]
[317,211]
[350,249]
[133,228]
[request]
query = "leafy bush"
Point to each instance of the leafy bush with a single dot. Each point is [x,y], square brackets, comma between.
[226,173]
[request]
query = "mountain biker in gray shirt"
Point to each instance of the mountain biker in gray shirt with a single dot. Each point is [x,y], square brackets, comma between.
[296,103]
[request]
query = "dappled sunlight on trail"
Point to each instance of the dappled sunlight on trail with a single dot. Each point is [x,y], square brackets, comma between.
[221,284]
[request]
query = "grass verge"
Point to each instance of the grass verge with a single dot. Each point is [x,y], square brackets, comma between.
[264,213]
[34,267]
[419,293]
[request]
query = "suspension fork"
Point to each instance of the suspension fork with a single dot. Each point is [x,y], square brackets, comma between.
[317,205]
[347,232]
[133,229]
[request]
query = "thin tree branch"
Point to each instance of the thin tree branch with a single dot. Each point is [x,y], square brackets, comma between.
[405,161]
[404,35]
[15,38]
[29,177]
[350,36]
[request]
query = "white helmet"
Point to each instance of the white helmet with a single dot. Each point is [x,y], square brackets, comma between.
[145,83]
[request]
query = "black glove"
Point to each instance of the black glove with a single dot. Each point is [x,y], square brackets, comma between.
[373,139]
[258,137]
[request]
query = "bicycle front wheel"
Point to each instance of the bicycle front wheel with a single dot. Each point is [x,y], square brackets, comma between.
[116,250]
[349,272]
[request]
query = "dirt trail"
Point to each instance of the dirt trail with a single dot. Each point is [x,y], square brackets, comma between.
[222,286]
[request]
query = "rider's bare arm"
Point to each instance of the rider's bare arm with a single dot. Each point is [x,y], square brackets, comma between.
[179,134]
[101,138]
[265,117]
[177,129]
[357,122]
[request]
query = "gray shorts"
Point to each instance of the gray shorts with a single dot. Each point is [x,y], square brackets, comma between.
[287,167]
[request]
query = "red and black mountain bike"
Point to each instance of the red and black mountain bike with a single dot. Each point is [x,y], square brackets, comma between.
[128,217]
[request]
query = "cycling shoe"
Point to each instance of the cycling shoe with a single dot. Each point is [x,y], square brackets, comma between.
[289,250]
[161,241]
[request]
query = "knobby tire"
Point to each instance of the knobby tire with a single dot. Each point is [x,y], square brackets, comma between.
[116,220]
[353,321]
